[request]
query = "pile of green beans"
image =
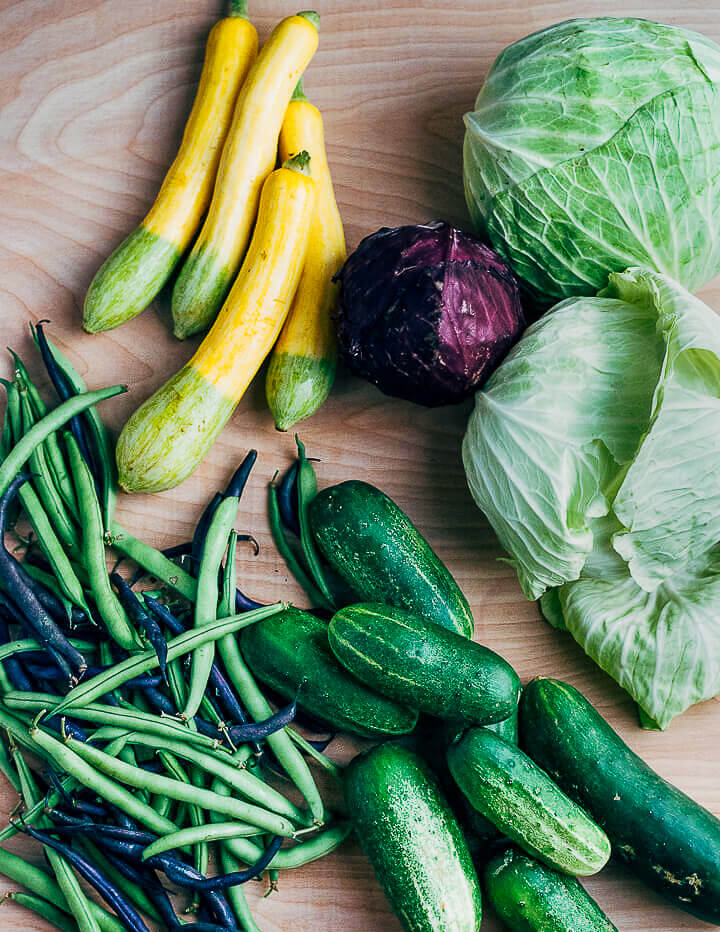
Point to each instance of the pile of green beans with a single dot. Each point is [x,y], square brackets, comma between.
[139,775]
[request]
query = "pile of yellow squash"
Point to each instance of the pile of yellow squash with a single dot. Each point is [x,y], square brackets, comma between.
[264,244]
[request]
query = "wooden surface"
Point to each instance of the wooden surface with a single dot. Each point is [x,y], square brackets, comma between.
[93,97]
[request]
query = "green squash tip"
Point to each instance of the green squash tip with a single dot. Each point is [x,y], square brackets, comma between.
[311,16]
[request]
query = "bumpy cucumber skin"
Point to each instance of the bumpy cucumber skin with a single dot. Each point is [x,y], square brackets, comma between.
[502,783]
[530,897]
[413,841]
[380,553]
[666,838]
[293,657]
[472,820]
[420,663]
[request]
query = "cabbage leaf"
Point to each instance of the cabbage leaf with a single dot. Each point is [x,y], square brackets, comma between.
[594,145]
[593,451]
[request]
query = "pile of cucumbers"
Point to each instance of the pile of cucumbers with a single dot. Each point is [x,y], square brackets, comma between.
[529,789]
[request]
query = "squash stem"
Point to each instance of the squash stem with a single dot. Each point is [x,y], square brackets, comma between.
[298,163]
[239,8]
[299,92]
[311,16]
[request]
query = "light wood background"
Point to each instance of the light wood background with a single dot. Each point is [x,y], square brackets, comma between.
[93,98]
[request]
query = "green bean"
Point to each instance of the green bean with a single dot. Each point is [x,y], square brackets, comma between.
[217,831]
[176,682]
[299,854]
[28,787]
[236,895]
[5,687]
[103,444]
[206,601]
[40,523]
[181,818]
[45,910]
[287,754]
[116,747]
[131,890]
[161,804]
[53,421]
[93,547]
[201,854]
[332,768]
[27,644]
[239,778]
[41,884]
[7,768]
[35,812]
[16,729]
[75,897]
[77,766]
[157,783]
[152,560]
[97,686]
[107,659]
[122,716]
[44,483]
[306,491]
[286,552]
[56,459]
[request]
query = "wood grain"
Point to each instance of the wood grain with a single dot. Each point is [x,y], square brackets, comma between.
[93,98]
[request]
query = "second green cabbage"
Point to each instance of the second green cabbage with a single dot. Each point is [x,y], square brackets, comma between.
[594,453]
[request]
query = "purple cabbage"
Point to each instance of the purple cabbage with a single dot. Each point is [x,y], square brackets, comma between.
[426,312]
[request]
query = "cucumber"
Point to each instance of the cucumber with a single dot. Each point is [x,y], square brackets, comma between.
[667,839]
[413,842]
[471,820]
[420,663]
[293,656]
[530,897]
[509,789]
[381,555]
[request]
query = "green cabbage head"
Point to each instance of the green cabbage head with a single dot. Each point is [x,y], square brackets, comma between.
[594,146]
[594,451]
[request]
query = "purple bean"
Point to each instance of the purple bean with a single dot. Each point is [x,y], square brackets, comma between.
[243,603]
[288,500]
[64,391]
[90,809]
[218,681]
[30,611]
[258,731]
[135,609]
[236,486]
[70,728]
[201,529]
[126,912]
